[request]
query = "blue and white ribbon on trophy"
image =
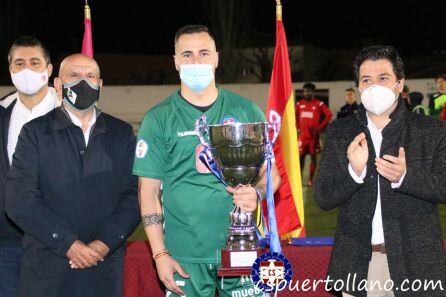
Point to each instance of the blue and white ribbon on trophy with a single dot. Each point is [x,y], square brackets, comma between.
[271,237]
[205,156]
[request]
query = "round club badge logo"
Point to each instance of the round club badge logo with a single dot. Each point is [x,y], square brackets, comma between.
[228,120]
[141,149]
[271,272]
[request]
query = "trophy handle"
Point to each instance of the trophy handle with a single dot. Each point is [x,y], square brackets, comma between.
[201,129]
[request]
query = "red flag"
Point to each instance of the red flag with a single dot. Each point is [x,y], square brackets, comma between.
[87,43]
[288,198]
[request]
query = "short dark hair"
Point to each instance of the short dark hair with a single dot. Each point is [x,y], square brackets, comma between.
[406,89]
[192,29]
[442,75]
[310,86]
[28,41]
[377,52]
[350,90]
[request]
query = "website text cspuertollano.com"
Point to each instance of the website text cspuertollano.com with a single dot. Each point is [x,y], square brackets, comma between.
[352,285]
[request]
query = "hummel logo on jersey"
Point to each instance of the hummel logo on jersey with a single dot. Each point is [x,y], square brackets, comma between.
[186,133]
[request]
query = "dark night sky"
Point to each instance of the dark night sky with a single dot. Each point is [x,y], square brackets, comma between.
[147,27]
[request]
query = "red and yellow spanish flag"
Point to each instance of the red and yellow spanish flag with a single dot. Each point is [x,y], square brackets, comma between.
[288,198]
[87,43]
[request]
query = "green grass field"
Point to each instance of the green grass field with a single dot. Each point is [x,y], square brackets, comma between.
[318,222]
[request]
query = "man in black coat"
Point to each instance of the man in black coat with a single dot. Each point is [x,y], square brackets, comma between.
[70,188]
[30,67]
[350,107]
[385,168]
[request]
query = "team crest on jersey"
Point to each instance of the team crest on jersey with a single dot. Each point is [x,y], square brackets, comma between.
[271,272]
[141,149]
[228,120]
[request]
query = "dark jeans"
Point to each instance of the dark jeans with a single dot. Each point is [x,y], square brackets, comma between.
[10,260]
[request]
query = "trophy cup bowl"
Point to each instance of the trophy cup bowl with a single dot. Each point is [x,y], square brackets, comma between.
[239,150]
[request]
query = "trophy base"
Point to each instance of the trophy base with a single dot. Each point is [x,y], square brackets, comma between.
[238,262]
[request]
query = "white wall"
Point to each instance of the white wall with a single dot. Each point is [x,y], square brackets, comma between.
[131,102]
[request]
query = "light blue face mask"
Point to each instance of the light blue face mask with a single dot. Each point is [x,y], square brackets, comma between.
[197,76]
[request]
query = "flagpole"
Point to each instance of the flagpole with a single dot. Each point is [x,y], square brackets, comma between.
[278,10]
[87,11]
[87,42]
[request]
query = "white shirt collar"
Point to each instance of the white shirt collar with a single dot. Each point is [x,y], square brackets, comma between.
[48,103]
[370,124]
[21,115]
[78,123]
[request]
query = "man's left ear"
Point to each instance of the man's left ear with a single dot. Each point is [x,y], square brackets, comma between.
[50,69]
[216,60]
[401,85]
[100,83]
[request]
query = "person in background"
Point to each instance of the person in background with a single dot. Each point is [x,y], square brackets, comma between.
[416,103]
[437,102]
[312,115]
[350,107]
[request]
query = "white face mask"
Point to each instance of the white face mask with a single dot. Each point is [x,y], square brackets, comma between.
[378,99]
[28,81]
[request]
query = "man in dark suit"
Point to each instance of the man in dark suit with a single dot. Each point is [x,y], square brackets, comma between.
[385,168]
[71,189]
[30,67]
[350,107]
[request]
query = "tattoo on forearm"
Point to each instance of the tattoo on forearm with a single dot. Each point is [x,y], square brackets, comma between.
[152,219]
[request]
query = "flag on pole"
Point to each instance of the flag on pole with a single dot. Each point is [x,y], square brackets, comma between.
[288,198]
[87,43]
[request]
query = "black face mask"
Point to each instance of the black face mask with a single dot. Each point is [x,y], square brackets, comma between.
[80,94]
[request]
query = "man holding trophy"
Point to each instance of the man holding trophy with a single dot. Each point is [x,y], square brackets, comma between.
[195,205]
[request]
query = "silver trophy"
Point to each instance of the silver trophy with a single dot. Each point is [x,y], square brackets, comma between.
[235,153]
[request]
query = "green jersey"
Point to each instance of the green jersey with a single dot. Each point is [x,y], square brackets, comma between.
[195,203]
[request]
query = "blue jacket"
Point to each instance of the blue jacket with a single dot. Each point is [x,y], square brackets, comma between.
[59,190]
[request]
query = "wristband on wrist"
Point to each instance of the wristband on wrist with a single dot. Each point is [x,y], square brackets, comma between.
[160,254]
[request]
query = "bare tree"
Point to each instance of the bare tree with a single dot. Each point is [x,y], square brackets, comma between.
[262,59]
[230,20]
